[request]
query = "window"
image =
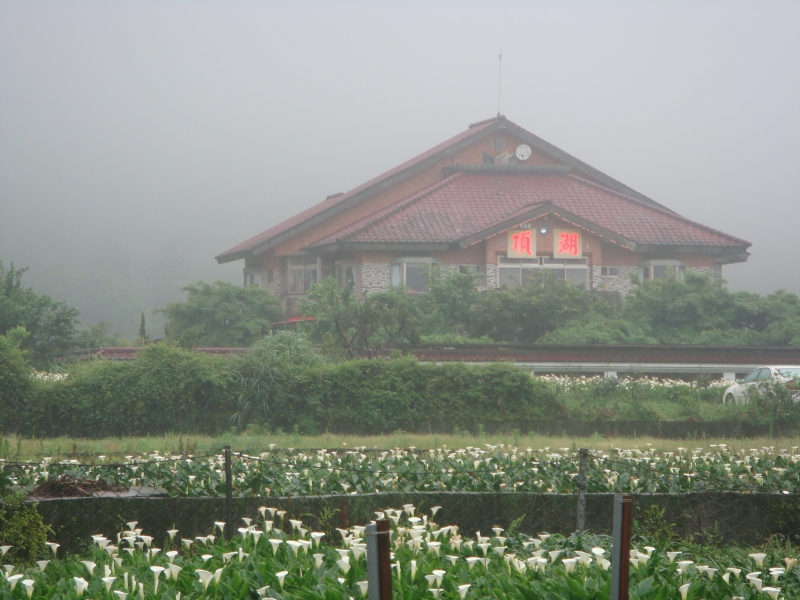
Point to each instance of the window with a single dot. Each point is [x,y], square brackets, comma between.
[609,271]
[752,376]
[764,375]
[346,276]
[654,270]
[302,273]
[515,272]
[412,272]
[252,278]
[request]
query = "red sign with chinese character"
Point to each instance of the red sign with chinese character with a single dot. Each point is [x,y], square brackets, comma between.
[567,244]
[521,243]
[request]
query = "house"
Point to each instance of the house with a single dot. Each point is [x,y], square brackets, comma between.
[495,200]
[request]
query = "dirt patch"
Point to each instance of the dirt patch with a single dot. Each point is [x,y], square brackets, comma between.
[66,486]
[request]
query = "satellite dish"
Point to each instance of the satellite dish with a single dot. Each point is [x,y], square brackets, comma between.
[523,152]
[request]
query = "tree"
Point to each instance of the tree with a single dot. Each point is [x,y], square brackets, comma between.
[142,330]
[354,328]
[51,325]
[221,315]
[15,375]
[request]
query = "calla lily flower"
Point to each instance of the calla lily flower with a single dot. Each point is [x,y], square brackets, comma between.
[42,564]
[462,590]
[281,575]
[53,547]
[89,566]
[672,556]
[759,558]
[205,577]
[684,590]
[121,595]
[172,533]
[4,549]
[569,564]
[772,591]
[343,565]
[108,581]
[80,585]
[156,572]
[28,584]
[13,579]
[363,586]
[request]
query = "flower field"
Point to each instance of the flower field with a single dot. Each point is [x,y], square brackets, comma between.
[491,468]
[275,557]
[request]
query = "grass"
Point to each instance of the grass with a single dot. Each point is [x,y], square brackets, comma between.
[18,448]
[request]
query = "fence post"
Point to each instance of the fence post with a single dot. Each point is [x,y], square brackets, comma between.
[228,495]
[621,547]
[379,566]
[583,465]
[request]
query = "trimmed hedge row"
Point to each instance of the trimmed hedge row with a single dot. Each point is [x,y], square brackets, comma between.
[383,396]
[168,389]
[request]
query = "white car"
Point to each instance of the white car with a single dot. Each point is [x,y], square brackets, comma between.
[738,393]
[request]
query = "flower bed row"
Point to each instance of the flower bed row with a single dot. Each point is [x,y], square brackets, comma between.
[276,557]
[492,468]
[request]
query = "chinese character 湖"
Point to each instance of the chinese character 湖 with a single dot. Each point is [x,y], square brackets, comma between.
[568,243]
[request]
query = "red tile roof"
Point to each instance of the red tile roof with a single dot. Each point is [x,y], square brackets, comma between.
[335,200]
[467,204]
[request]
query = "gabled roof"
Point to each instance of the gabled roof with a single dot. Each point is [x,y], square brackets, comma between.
[332,205]
[469,206]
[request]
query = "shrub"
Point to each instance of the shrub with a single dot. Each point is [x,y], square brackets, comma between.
[164,389]
[22,528]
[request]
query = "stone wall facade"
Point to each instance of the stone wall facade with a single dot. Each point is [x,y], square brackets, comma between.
[621,284]
[274,287]
[374,277]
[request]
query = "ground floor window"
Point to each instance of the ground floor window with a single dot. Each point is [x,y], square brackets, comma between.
[411,272]
[655,270]
[302,273]
[515,272]
[609,271]
[346,276]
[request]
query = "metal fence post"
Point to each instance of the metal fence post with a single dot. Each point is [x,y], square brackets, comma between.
[379,566]
[621,547]
[583,466]
[229,525]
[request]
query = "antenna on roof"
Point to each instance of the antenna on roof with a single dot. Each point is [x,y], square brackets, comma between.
[499,78]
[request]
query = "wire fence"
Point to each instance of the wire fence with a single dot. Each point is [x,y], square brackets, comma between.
[726,497]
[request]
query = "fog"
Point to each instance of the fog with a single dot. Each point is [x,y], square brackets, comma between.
[140,139]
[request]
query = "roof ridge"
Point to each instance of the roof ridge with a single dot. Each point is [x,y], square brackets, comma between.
[658,209]
[386,212]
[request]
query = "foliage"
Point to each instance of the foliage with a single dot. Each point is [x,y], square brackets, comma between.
[164,389]
[221,315]
[264,376]
[15,374]
[352,327]
[51,325]
[22,528]
[99,336]
[381,396]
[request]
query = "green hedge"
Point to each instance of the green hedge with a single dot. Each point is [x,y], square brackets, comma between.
[383,396]
[168,389]
[164,389]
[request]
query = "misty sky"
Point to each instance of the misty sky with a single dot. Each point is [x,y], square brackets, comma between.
[130,132]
